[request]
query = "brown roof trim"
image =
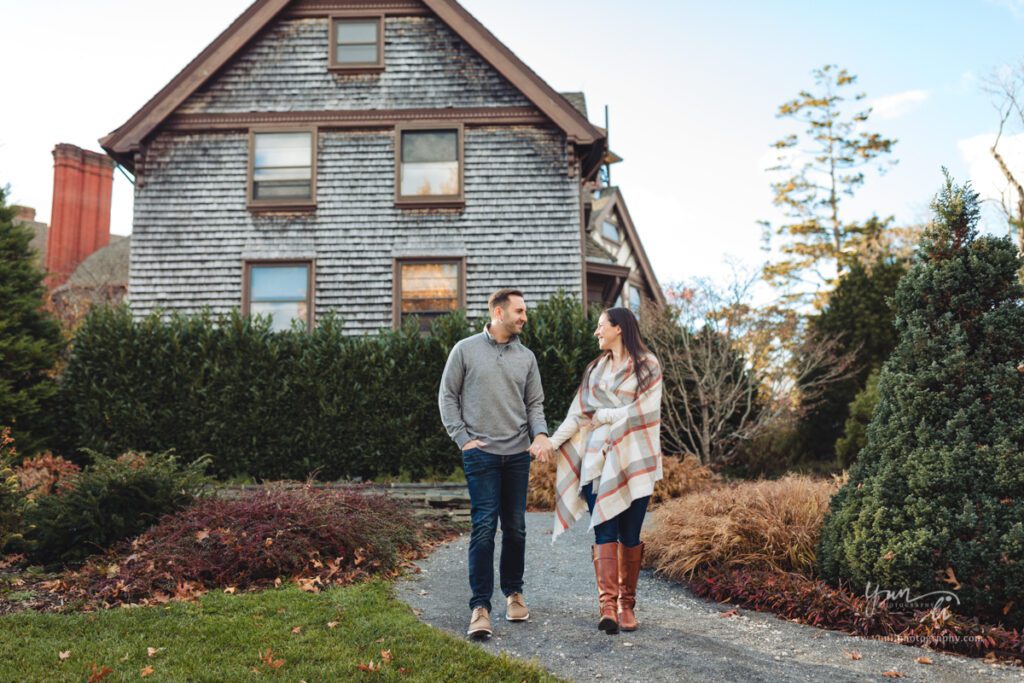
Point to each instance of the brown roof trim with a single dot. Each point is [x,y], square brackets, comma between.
[609,269]
[359,118]
[555,106]
[128,137]
[617,201]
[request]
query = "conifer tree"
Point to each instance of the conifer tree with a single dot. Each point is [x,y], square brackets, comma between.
[30,338]
[935,500]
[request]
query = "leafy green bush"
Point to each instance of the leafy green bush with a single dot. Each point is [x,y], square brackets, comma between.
[855,432]
[283,405]
[935,500]
[111,500]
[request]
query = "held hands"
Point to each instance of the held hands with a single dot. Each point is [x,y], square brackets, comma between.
[541,448]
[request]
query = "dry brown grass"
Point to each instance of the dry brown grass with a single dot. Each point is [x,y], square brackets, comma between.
[756,525]
[680,478]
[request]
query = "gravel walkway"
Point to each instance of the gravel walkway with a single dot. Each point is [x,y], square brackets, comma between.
[680,638]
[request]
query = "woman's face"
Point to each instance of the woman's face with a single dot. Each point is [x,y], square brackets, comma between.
[606,333]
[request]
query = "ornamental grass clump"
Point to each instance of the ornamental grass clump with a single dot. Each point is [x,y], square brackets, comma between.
[935,501]
[757,525]
[311,535]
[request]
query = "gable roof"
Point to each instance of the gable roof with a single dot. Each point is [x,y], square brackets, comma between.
[123,141]
[611,200]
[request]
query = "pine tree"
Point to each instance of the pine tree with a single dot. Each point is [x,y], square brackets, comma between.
[30,338]
[936,498]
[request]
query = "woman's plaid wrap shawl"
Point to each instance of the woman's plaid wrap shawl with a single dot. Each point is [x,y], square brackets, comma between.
[631,451]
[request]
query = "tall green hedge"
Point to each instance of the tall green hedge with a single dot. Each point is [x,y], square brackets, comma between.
[284,404]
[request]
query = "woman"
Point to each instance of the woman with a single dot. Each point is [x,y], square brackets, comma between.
[609,456]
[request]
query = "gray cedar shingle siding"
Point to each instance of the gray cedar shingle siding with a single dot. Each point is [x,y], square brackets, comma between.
[285,69]
[520,225]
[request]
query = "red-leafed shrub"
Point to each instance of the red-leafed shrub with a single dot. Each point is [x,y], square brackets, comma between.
[316,536]
[45,474]
[815,602]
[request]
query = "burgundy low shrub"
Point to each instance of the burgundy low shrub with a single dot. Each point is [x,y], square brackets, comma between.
[316,536]
[815,602]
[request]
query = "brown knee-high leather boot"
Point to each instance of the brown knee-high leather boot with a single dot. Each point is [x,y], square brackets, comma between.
[606,569]
[630,560]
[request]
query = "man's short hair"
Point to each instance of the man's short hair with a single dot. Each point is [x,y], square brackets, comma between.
[501,297]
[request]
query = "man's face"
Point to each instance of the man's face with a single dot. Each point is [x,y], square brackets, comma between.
[513,314]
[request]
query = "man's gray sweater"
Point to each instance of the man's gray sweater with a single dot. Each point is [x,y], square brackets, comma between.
[492,392]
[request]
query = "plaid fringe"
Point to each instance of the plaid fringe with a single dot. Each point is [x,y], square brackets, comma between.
[631,451]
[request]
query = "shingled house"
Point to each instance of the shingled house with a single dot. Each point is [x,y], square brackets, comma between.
[374,158]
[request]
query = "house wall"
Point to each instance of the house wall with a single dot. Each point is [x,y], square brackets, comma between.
[519,226]
[285,69]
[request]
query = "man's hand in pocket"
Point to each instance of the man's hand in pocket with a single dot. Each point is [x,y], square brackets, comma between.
[474,443]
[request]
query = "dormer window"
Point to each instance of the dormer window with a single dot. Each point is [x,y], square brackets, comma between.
[610,231]
[357,43]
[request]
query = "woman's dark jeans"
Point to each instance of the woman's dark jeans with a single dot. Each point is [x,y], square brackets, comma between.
[623,527]
[497,491]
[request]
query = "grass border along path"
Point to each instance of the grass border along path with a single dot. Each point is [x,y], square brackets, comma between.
[275,634]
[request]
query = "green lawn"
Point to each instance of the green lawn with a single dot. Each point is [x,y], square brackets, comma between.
[220,638]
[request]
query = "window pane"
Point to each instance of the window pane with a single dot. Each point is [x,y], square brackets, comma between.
[634,300]
[356,31]
[423,146]
[429,287]
[282,190]
[356,54]
[283,149]
[278,283]
[610,230]
[430,179]
[281,313]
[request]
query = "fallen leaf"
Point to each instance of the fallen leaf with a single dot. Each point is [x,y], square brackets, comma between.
[379,640]
[277,582]
[202,535]
[889,556]
[268,542]
[403,670]
[951,579]
[990,658]
[64,654]
[892,674]
[385,655]
[152,651]
[99,673]
[372,666]
[854,654]
[332,624]
[112,570]
[1007,607]
[230,590]
[297,630]
[730,613]
[923,660]
[148,671]
[268,659]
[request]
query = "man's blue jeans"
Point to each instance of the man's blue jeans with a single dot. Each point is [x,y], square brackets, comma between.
[497,491]
[623,527]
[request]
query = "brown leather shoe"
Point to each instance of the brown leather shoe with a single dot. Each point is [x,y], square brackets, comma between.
[515,609]
[630,560]
[480,624]
[606,569]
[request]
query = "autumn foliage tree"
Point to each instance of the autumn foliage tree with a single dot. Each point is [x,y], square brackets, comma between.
[935,500]
[815,172]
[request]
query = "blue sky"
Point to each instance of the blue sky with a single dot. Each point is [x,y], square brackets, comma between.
[692,89]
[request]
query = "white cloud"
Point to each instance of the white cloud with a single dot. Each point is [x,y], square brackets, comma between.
[985,175]
[894,106]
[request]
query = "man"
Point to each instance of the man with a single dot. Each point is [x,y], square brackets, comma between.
[492,403]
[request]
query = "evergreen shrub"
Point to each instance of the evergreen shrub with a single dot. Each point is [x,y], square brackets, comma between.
[11,499]
[111,500]
[276,405]
[935,500]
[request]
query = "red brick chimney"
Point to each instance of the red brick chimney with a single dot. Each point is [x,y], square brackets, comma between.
[80,220]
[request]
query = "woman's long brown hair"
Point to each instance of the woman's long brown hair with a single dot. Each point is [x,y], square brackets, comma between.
[624,319]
